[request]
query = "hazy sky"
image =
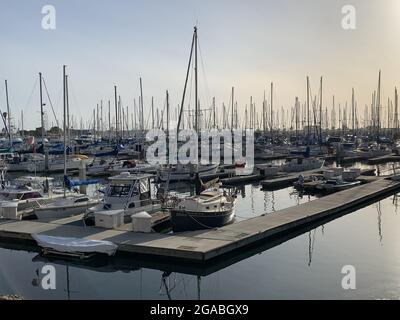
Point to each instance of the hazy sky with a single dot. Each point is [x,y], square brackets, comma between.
[245,44]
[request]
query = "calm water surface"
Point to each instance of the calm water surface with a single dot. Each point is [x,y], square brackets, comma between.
[305,267]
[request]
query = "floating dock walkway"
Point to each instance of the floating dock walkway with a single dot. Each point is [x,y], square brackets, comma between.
[288,179]
[201,246]
[384,159]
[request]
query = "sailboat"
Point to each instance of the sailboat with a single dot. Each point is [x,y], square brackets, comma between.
[72,204]
[181,172]
[185,172]
[211,207]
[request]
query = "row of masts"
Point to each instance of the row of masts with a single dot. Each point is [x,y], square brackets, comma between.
[311,116]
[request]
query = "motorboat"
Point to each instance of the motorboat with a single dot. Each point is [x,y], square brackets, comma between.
[128,192]
[27,193]
[337,185]
[302,164]
[66,207]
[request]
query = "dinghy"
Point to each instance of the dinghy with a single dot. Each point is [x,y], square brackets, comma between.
[77,246]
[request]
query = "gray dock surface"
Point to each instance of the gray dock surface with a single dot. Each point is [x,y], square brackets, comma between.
[384,159]
[204,245]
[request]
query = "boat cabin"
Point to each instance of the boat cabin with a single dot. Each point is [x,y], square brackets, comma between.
[128,191]
[19,195]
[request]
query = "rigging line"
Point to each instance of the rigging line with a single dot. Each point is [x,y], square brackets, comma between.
[189,113]
[31,95]
[51,104]
[161,119]
[204,75]
[71,88]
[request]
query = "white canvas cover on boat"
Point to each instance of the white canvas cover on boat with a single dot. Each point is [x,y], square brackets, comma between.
[75,245]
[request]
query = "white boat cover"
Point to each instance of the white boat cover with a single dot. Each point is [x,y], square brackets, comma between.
[75,245]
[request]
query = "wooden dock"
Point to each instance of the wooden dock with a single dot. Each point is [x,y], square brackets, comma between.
[384,159]
[204,245]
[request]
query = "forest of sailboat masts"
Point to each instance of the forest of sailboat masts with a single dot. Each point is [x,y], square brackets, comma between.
[316,117]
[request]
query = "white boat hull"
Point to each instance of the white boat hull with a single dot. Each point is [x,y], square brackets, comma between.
[186,175]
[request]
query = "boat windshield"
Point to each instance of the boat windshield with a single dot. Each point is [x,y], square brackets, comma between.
[10,195]
[119,190]
[31,195]
[331,182]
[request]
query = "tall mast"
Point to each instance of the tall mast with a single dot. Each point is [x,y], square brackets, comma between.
[109,118]
[167,97]
[233,98]
[167,102]
[396,115]
[67,103]
[186,80]
[41,106]
[378,103]
[65,122]
[388,113]
[213,112]
[101,117]
[353,110]
[251,113]
[141,106]
[320,113]
[333,121]
[308,110]
[263,118]
[296,107]
[22,120]
[152,112]
[272,109]
[8,115]
[195,81]
[94,123]
[116,112]
[120,125]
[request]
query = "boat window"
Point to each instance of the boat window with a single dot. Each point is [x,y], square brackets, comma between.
[144,186]
[131,205]
[81,200]
[119,191]
[31,195]
[11,196]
